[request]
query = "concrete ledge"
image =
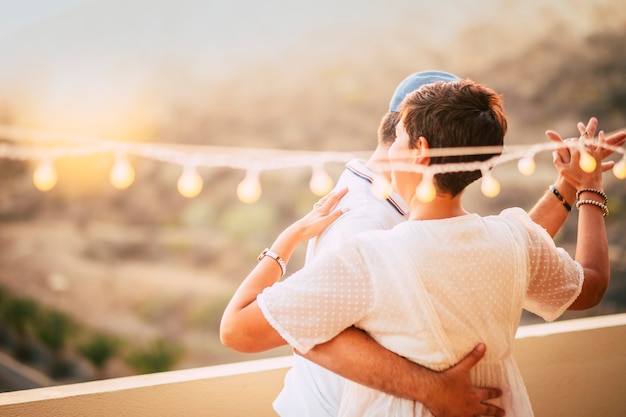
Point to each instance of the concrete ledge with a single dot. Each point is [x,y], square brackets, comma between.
[572,368]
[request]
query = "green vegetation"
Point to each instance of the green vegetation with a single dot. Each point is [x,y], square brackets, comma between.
[159,356]
[99,349]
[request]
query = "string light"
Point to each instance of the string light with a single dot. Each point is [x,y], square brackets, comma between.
[249,190]
[122,174]
[526,165]
[489,186]
[45,176]
[191,157]
[619,169]
[381,188]
[190,182]
[321,183]
[587,161]
[425,191]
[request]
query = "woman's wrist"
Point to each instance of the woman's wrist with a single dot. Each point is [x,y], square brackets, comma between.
[287,242]
[593,196]
[566,190]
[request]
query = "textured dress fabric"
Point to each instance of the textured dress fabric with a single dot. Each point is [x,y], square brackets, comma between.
[430,291]
[310,390]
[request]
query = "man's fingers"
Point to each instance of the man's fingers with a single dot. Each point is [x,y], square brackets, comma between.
[492,410]
[490,393]
[473,357]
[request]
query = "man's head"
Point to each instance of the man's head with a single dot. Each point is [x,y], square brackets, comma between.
[415,81]
[387,127]
[450,115]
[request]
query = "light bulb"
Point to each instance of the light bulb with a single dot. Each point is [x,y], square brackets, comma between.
[490,186]
[526,165]
[619,169]
[249,190]
[587,162]
[381,188]
[425,191]
[45,176]
[321,183]
[122,174]
[190,183]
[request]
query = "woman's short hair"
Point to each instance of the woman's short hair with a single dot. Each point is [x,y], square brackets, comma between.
[455,114]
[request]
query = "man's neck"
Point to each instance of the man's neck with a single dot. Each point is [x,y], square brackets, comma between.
[379,162]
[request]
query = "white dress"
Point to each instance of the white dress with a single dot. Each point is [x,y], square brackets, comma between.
[430,291]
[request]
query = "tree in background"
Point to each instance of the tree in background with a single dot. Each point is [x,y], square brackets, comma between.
[53,330]
[18,314]
[160,356]
[99,350]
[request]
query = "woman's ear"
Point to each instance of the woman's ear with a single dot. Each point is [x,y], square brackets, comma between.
[422,155]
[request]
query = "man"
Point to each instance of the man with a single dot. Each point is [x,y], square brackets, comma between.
[312,390]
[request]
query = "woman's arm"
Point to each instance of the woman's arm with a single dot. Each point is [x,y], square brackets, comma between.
[243,326]
[592,243]
[550,212]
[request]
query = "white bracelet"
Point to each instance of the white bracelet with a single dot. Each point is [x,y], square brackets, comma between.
[603,207]
[274,256]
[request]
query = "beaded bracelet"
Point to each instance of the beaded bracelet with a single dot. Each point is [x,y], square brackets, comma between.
[592,190]
[603,207]
[560,197]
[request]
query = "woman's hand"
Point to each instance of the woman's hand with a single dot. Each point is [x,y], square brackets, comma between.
[324,212]
[562,156]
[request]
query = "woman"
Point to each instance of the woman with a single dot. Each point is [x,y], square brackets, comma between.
[432,287]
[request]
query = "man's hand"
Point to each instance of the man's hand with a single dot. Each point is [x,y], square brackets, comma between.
[457,396]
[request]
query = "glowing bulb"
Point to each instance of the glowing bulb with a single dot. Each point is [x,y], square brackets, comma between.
[249,190]
[321,183]
[425,191]
[381,188]
[526,165]
[190,183]
[619,169]
[45,176]
[587,162]
[490,186]
[122,175]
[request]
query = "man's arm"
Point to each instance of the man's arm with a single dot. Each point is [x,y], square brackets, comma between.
[356,356]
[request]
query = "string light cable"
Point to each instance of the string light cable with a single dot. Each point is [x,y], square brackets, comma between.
[46,147]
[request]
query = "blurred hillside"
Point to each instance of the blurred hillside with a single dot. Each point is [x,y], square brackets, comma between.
[146,263]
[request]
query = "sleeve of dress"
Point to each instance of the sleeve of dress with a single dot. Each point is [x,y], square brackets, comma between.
[555,278]
[318,302]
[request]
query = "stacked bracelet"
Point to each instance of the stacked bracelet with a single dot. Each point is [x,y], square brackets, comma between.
[274,256]
[591,190]
[602,206]
[561,198]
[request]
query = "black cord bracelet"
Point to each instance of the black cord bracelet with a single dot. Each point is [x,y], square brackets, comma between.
[560,197]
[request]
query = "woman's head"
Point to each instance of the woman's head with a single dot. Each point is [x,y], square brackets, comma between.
[454,114]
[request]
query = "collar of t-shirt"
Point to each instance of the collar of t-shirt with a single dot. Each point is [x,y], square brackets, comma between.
[359,169]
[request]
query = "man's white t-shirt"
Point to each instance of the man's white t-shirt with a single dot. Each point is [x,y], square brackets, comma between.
[309,389]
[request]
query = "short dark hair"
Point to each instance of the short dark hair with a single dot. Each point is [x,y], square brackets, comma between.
[387,128]
[455,114]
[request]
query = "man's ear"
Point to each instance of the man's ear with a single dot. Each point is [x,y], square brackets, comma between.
[422,154]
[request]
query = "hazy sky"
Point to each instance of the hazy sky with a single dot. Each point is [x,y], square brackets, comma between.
[82,55]
[18,16]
